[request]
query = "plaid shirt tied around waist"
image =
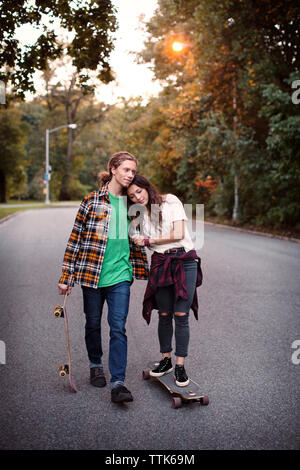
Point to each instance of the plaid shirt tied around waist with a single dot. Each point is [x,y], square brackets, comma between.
[86,245]
[167,278]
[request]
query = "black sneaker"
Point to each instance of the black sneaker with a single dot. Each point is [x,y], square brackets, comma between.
[181,378]
[120,394]
[97,377]
[164,367]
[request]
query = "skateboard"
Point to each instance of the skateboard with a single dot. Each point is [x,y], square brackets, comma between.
[65,369]
[187,394]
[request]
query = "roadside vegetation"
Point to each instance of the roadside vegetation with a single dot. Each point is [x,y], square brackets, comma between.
[223,132]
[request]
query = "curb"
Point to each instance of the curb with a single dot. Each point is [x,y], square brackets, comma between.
[255,232]
[8,218]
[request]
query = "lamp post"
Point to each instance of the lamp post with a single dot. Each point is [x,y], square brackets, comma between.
[47,166]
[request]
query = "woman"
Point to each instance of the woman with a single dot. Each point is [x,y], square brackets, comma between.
[174,274]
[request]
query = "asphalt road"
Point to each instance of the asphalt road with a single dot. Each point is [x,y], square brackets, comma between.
[240,350]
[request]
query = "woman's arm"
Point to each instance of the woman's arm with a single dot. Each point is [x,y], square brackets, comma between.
[175,235]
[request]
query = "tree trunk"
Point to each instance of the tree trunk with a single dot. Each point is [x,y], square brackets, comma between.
[65,190]
[235,212]
[2,187]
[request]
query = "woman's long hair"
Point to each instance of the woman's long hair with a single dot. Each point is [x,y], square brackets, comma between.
[115,160]
[155,198]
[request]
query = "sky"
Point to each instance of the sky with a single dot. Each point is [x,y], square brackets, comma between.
[131,79]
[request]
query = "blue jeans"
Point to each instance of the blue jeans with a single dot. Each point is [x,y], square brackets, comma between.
[117,298]
[167,304]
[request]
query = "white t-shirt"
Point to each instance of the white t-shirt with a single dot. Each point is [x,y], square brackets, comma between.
[171,210]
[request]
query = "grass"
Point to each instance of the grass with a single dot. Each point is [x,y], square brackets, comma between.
[23,201]
[290,232]
[5,211]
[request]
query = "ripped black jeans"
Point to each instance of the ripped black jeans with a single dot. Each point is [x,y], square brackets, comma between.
[167,304]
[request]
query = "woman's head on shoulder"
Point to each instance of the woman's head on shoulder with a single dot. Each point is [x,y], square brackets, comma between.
[142,191]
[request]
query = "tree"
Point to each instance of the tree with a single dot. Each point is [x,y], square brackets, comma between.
[77,105]
[91,23]
[283,147]
[236,48]
[13,136]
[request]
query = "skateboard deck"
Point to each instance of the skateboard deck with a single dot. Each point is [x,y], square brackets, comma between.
[187,394]
[65,369]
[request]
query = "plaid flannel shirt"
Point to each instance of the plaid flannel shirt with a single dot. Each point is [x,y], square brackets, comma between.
[86,246]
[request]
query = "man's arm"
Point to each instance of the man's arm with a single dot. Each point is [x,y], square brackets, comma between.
[66,281]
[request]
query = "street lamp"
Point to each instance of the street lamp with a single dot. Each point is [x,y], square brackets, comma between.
[47,166]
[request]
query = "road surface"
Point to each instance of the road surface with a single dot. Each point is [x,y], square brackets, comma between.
[240,350]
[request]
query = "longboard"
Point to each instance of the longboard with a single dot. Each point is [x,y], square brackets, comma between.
[65,369]
[189,393]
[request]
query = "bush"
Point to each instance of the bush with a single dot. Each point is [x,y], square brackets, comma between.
[36,187]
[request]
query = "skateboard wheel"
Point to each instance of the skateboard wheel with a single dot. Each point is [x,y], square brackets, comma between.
[58,311]
[63,370]
[146,374]
[205,400]
[176,402]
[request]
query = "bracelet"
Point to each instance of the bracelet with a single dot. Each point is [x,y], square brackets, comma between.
[146,241]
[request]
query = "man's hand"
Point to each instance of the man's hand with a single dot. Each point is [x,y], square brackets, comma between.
[64,289]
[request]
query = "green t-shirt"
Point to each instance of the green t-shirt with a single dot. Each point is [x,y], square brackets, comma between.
[116,266]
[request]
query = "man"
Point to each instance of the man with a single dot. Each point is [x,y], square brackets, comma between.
[100,257]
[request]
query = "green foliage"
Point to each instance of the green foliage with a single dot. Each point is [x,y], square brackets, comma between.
[232,112]
[283,147]
[13,136]
[92,23]
[36,186]
[34,114]
[224,120]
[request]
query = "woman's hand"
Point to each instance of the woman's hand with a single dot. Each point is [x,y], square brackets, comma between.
[139,241]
